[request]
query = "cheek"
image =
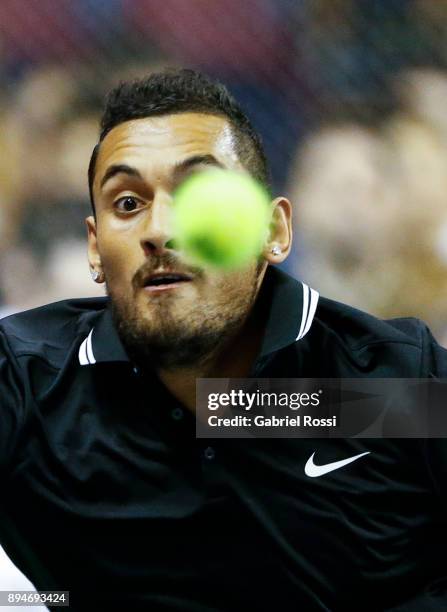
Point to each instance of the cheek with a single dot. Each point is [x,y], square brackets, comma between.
[120,250]
[233,286]
[117,262]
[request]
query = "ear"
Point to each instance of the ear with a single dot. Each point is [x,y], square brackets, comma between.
[94,258]
[279,241]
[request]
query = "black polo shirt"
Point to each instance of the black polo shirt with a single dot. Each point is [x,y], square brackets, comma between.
[107,493]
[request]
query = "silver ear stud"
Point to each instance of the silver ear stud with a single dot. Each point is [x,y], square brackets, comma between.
[95,274]
[276,250]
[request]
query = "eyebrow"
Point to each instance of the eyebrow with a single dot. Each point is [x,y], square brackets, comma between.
[196,160]
[179,168]
[119,169]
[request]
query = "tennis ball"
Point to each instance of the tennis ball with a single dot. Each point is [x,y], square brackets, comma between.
[221,218]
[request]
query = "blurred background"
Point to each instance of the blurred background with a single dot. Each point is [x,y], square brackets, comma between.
[350,97]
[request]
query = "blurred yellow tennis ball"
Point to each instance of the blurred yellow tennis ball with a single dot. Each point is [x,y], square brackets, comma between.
[221,218]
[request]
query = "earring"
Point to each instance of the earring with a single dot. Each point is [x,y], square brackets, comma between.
[95,274]
[276,250]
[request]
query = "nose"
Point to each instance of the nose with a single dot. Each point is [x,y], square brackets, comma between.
[157,233]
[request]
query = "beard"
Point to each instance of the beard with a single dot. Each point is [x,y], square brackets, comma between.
[168,342]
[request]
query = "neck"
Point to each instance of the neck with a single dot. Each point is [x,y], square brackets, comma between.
[234,359]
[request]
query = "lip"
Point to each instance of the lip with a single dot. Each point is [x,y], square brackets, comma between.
[163,288]
[160,273]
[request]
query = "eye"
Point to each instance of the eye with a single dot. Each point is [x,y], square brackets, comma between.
[127,204]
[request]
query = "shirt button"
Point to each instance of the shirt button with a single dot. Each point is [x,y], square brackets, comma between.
[177,414]
[209,453]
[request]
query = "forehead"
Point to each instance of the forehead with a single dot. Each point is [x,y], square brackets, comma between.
[157,142]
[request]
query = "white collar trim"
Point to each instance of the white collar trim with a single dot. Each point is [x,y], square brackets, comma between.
[310,302]
[85,354]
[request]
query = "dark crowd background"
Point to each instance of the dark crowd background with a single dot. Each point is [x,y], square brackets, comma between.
[350,97]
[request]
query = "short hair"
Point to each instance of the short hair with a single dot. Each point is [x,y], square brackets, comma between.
[175,91]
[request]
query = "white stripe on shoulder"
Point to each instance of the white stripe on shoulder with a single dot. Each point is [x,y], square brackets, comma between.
[314,295]
[304,311]
[90,355]
[83,353]
[309,309]
[86,351]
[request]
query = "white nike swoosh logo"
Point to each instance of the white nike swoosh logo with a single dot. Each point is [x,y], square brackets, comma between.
[314,471]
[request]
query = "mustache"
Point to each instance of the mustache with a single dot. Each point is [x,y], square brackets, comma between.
[167,261]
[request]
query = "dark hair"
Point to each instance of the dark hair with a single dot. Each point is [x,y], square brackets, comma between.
[179,91]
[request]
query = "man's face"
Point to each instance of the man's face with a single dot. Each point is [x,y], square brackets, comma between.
[140,163]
